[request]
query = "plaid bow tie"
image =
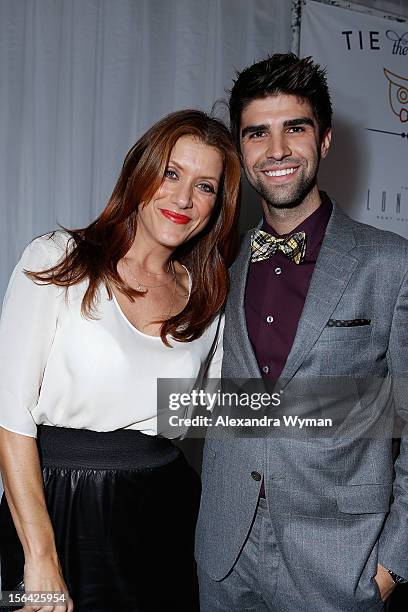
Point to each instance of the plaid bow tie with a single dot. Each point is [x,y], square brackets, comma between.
[264,245]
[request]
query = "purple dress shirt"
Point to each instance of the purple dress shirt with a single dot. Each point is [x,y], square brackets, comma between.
[275,295]
[276,291]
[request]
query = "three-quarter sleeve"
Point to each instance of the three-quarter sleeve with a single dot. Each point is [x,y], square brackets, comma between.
[27,329]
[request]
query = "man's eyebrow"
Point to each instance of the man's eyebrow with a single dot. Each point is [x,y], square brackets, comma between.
[263,127]
[299,121]
[251,129]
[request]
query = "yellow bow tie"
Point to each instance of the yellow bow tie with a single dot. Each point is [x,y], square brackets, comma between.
[264,245]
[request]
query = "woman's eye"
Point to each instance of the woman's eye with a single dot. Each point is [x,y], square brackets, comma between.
[170,174]
[206,187]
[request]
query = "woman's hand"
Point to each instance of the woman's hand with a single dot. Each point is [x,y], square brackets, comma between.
[43,574]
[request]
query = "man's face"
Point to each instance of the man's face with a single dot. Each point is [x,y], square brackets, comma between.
[281,149]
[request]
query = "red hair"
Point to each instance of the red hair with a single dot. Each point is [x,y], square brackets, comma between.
[93,252]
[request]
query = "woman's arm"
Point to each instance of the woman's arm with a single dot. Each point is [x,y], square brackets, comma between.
[23,486]
[27,328]
[24,490]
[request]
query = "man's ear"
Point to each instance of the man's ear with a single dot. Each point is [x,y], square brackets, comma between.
[325,143]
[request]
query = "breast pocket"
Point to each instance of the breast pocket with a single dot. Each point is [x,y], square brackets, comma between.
[342,351]
[346,334]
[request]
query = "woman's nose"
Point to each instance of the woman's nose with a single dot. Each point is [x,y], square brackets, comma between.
[182,195]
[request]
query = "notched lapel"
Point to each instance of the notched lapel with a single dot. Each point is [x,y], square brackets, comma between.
[236,326]
[333,271]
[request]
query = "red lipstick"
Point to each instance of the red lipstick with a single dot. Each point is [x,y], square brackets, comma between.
[175,217]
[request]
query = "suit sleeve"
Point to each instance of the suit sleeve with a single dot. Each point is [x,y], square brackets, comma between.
[27,329]
[393,544]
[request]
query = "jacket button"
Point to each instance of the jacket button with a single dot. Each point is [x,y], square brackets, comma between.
[256,475]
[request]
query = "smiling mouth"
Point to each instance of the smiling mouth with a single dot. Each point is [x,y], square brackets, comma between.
[175,217]
[282,172]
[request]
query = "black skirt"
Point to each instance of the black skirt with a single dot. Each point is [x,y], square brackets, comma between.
[123,506]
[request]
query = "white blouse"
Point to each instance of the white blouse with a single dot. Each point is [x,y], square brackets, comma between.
[59,368]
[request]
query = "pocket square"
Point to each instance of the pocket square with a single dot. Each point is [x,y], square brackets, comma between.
[347,322]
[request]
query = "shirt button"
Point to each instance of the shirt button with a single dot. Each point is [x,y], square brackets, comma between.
[265,369]
[278,271]
[256,476]
[269,319]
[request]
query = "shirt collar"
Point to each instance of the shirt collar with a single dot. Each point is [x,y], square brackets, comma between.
[314,225]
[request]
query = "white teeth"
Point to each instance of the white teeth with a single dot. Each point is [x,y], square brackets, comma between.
[280,172]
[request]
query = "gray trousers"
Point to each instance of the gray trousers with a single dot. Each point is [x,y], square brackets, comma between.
[252,585]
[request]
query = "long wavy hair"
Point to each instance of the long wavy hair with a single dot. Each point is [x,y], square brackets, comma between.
[92,253]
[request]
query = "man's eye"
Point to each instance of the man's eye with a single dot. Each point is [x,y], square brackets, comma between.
[170,174]
[257,134]
[206,187]
[296,129]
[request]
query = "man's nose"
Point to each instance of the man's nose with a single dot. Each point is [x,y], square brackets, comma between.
[278,147]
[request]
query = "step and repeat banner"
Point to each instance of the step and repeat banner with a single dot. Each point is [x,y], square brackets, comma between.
[367,69]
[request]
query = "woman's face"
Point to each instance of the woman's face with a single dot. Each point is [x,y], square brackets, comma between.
[182,206]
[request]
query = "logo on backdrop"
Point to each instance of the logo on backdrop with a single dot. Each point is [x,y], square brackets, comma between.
[400,46]
[372,40]
[398,99]
[398,94]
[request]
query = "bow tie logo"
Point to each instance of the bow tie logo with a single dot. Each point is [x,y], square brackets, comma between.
[264,245]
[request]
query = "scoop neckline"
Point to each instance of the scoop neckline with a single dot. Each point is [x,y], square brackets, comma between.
[133,327]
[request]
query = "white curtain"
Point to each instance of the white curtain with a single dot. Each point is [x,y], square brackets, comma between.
[80,80]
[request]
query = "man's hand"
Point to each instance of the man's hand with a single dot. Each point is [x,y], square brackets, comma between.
[384,581]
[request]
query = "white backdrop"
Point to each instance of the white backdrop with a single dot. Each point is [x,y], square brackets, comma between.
[367,169]
[80,80]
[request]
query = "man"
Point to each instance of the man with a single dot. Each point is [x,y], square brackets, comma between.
[290,523]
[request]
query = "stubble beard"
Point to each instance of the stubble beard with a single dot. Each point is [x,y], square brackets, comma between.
[286,196]
[279,198]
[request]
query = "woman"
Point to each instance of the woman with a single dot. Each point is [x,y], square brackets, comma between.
[91,319]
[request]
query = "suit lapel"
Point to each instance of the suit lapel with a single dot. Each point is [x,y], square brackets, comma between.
[333,270]
[237,318]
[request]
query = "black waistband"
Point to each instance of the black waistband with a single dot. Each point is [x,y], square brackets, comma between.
[82,448]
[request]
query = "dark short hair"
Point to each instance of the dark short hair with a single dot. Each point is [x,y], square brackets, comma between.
[282,73]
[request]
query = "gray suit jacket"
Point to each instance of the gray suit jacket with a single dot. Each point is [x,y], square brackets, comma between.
[330,496]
